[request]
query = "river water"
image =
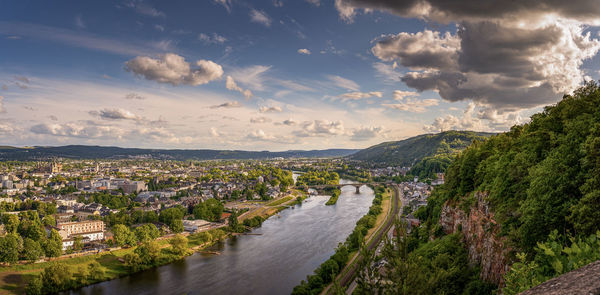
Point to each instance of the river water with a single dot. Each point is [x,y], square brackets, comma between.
[290,246]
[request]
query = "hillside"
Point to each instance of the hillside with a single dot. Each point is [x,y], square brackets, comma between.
[409,151]
[97,152]
[529,197]
[427,153]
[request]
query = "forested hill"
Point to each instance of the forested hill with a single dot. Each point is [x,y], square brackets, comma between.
[101,152]
[428,153]
[541,184]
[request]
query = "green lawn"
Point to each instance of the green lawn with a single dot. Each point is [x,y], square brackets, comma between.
[280,201]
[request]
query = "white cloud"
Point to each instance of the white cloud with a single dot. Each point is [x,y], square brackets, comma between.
[135,96]
[8,129]
[252,76]
[77,130]
[213,132]
[260,17]
[400,94]
[314,2]
[144,8]
[387,72]
[173,69]
[320,128]
[343,82]
[225,3]
[359,95]
[413,105]
[366,133]
[79,22]
[159,28]
[260,135]
[304,51]
[294,85]
[82,39]
[2,109]
[484,119]
[227,105]
[260,120]
[273,109]
[214,39]
[231,85]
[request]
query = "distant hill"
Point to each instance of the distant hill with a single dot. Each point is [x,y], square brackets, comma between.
[411,151]
[103,152]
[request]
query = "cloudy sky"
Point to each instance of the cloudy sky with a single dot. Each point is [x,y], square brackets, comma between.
[283,74]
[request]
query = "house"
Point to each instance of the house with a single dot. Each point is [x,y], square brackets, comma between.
[65,209]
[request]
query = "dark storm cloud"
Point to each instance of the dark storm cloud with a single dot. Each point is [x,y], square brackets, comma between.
[510,56]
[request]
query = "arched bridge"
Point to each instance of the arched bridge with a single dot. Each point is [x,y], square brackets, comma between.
[356,185]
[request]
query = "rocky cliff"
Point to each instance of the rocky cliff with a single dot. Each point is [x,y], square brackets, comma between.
[480,233]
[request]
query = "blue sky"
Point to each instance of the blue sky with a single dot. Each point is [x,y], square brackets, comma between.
[279,75]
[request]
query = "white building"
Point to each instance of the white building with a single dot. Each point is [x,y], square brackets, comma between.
[195,225]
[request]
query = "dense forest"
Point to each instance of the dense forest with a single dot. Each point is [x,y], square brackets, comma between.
[542,183]
[427,154]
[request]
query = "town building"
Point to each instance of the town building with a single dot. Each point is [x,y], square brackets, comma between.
[89,230]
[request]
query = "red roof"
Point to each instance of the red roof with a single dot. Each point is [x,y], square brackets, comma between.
[225,215]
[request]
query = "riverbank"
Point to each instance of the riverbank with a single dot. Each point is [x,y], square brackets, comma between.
[349,271]
[327,272]
[14,279]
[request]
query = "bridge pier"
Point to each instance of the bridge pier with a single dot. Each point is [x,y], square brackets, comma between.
[357,189]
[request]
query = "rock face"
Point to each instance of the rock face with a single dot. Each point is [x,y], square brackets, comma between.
[585,281]
[480,234]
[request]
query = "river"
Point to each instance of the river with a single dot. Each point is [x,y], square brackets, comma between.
[290,246]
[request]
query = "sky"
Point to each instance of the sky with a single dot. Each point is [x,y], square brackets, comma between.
[284,74]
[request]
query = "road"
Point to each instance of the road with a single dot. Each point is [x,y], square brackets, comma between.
[345,278]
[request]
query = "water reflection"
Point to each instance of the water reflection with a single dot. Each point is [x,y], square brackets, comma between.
[290,247]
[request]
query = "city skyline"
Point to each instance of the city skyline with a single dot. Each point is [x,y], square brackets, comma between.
[281,75]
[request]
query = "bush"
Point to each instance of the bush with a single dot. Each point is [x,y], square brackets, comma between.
[56,277]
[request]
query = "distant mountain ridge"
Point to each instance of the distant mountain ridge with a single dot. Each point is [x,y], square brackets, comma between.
[410,151]
[107,152]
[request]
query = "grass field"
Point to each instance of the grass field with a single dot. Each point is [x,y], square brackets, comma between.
[280,201]
[14,279]
[386,203]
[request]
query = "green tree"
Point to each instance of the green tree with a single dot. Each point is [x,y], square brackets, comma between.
[53,245]
[96,271]
[56,277]
[9,248]
[31,250]
[233,219]
[48,220]
[123,236]
[35,286]
[179,244]
[172,217]
[11,223]
[133,261]
[148,252]
[142,233]
[77,243]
